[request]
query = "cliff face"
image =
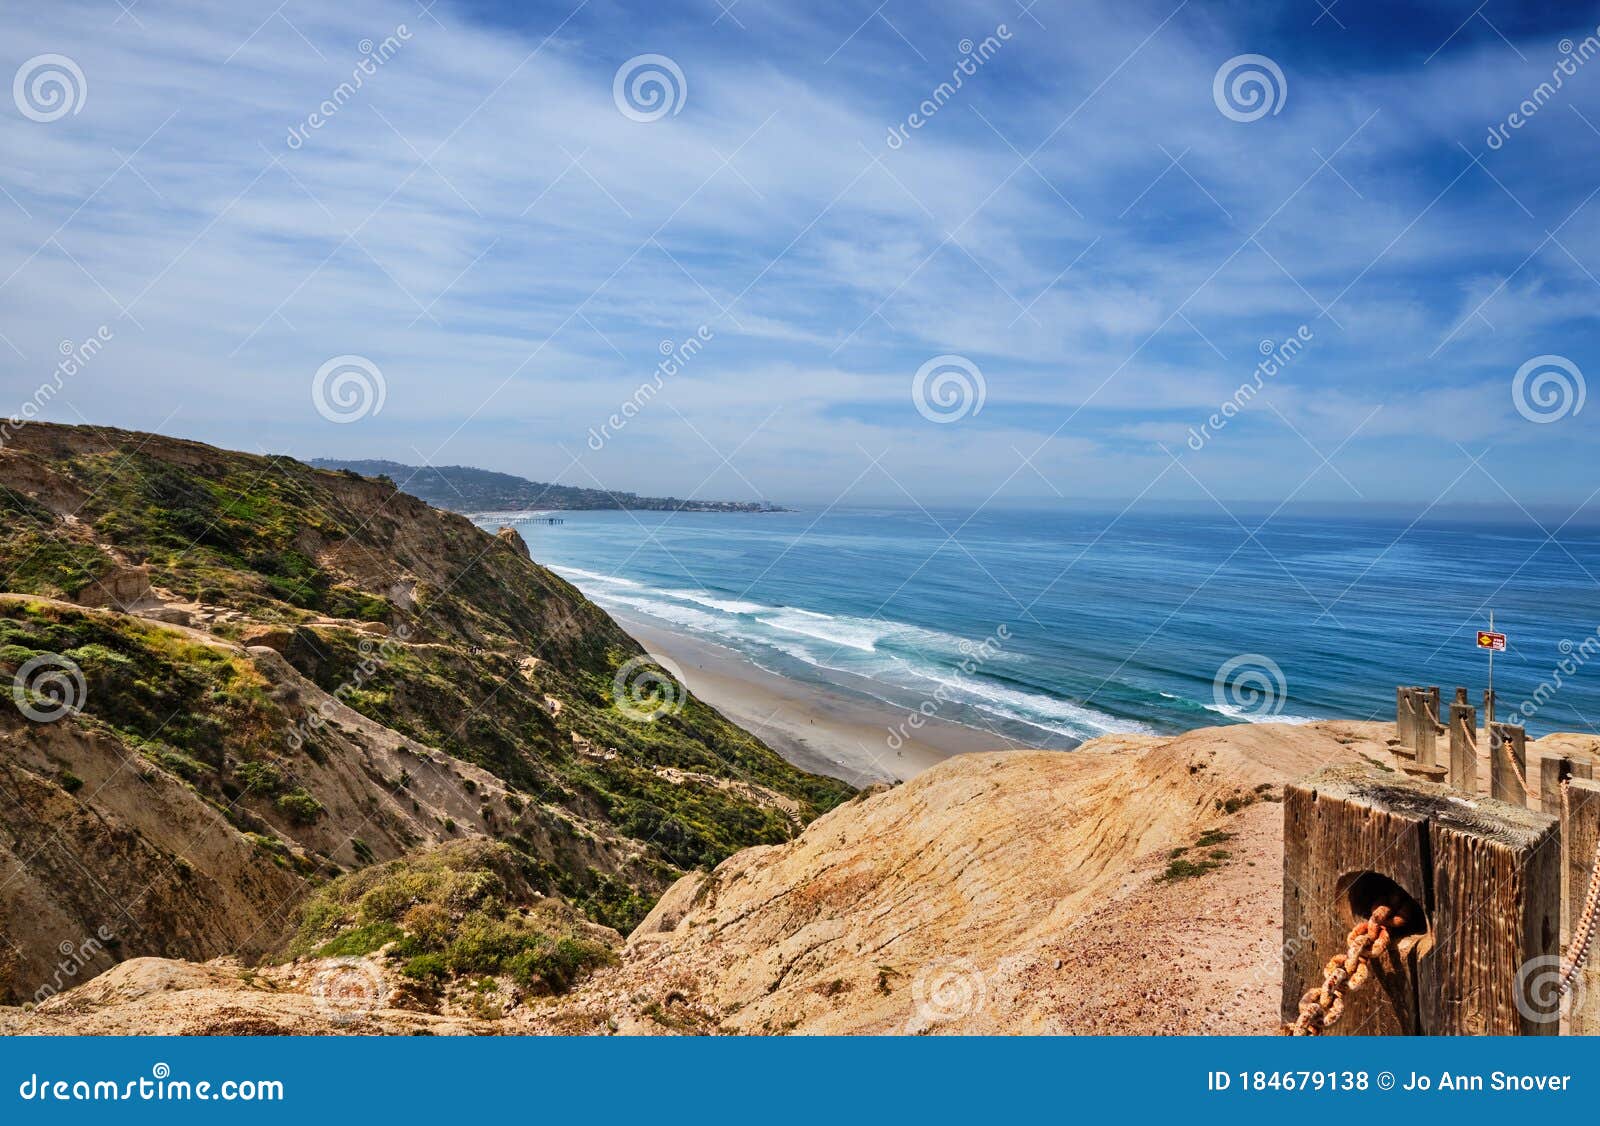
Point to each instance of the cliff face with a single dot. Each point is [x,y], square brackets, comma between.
[1132,886]
[278,674]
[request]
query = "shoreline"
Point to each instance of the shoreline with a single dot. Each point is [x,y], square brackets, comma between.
[821,728]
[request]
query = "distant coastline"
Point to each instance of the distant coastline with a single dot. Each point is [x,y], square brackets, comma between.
[472,491]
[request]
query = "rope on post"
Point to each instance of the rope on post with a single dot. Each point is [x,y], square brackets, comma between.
[1583,933]
[1496,740]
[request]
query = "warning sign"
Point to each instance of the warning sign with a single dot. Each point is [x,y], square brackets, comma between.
[1493,641]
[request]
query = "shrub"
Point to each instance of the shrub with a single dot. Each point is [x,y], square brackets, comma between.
[260,777]
[299,806]
[461,910]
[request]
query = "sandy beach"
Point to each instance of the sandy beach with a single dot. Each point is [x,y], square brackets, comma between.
[819,728]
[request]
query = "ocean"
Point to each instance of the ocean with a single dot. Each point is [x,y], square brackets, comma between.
[1053,627]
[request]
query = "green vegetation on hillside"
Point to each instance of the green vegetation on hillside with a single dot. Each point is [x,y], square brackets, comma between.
[457,911]
[414,618]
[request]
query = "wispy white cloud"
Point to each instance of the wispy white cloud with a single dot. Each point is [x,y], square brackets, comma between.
[1079,220]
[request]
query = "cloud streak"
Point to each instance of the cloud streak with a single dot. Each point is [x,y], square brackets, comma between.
[478,218]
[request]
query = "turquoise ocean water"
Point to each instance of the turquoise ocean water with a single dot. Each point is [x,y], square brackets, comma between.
[1055,627]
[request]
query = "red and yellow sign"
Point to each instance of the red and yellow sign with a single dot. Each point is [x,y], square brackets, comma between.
[1494,641]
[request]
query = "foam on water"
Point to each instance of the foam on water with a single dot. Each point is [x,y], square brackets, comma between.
[1131,615]
[1245,715]
[856,634]
[726,605]
[899,654]
[593,576]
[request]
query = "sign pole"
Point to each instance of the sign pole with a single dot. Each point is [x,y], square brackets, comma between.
[1491,666]
[1490,640]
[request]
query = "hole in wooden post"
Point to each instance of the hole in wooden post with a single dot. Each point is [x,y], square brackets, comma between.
[1364,891]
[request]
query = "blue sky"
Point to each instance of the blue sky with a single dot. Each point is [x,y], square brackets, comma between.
[1081,223]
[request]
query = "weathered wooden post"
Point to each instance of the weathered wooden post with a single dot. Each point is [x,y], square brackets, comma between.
[1554,770]
[1488,707]
[1423,707]
[1463,745]
[1508,763]
[1477,882]
[1427,760]
[1581,831]
[1404,719]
